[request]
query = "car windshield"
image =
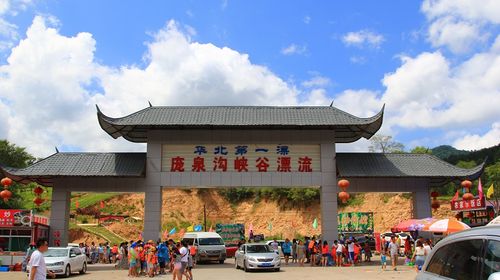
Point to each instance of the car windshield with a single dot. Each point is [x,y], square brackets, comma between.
[211,241]
[259,249]
[56,253]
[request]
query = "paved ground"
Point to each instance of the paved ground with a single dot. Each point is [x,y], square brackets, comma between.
[227,271]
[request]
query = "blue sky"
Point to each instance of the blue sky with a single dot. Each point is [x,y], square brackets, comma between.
[423,59]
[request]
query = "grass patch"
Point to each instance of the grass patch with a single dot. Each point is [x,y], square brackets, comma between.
[103,233]
[89,199]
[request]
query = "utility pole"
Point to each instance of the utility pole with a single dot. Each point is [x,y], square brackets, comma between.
[205,217]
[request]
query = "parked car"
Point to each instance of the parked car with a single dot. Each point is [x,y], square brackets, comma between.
[280,243]
[472,254]
[65,261]
[257,256]
[210,246]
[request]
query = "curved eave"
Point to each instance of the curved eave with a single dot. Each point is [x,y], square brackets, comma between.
[435,181]
[12,173]
[344,133]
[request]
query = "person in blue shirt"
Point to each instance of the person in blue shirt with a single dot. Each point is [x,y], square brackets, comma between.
[163,256]
[287,250]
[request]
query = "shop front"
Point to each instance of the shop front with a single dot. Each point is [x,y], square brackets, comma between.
[19,228]
[475,213]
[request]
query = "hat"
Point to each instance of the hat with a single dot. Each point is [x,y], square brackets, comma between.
[153,249]
[151,241]
[133,245]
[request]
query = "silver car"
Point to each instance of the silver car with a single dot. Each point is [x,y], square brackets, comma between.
[257,256]
[471,254]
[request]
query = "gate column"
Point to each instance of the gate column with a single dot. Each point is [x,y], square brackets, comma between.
[422,204]
[153,193]
[328,192]
[59,216]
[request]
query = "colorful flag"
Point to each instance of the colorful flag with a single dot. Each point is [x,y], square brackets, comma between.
[102,204]
[172,231]
[270,226]
[190,228]
[211,229]
[250,228]
[181,233]
[480,188]
[455,197]
[198,228]
[77,204]
[490,191]
[140,236]
[315,223]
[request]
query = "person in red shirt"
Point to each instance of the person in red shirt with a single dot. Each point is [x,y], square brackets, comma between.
[325,253]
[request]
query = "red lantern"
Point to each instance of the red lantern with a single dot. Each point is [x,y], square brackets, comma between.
[468,196]
[38,201]
[6,182]
[343,196]
[435,204]
[5,194]
[343,184]
[434,194]
[466,184]
[38,190]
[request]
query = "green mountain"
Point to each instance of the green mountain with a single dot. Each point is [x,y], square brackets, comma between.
[453,155]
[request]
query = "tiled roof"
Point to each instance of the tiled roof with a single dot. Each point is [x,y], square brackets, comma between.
[81,164]
[365,165]
[134,127]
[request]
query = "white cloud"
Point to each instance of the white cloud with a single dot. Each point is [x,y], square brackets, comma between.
[356,59]
[48,86]
[460,25]
[363,38]
[8,30]
[476,142]
[294,49]
[306,19]
[317,81]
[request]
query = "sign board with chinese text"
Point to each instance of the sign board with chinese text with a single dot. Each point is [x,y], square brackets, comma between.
[231,233]
[15,218]
[355,222]
[241,158]
[464,205]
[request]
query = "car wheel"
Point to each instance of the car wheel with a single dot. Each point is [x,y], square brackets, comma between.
[236,264]
[84,268]
[277,269]
[221,261]
[67,271]
[245,268]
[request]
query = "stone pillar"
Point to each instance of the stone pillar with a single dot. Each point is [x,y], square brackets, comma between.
[153,193]
[422,204]
[59,216]
[329,221]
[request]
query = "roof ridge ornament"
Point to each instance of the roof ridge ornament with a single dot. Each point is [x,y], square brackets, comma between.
[150,105]
[331,104]
[57,150]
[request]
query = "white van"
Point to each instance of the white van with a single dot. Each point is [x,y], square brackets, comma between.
[210,246]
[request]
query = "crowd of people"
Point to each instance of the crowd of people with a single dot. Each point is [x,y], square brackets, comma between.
[145,258]
[351,252]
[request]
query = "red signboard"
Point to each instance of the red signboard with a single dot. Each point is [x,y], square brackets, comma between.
[464,205]
[41,220]
[15,217]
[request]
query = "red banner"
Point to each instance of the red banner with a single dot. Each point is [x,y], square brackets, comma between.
[15,217]
[41,220]
[463,205]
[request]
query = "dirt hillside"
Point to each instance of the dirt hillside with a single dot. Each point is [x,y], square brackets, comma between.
[182,208]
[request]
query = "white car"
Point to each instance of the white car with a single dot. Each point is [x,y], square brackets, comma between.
[65,261]
[257,256]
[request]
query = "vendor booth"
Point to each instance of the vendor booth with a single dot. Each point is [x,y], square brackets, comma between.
[19,228]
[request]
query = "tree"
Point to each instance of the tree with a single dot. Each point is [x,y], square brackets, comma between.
[492,173]
[466,164]
[385,144]
[421,150]
[14,156]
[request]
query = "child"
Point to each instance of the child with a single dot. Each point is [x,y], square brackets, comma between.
[368,252]
[132,260]
[152,260]
[383,260]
